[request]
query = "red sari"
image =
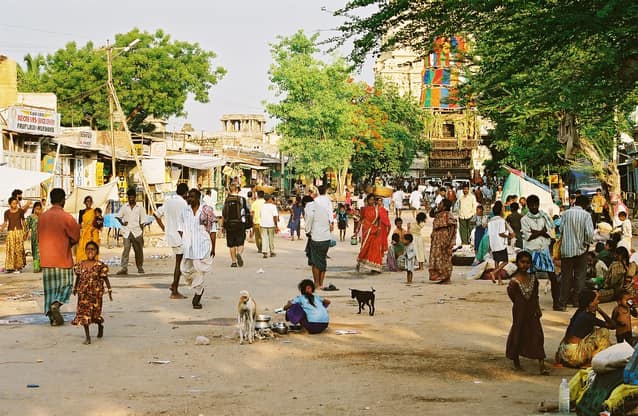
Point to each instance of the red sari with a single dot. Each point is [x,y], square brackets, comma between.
[375,226]
[443,238]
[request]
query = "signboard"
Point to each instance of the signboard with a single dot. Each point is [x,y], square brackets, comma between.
[87,139]
[33,121]
[553,179]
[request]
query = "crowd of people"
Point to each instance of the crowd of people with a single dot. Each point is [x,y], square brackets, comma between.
[555,248]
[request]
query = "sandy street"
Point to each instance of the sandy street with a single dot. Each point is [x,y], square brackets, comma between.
[430,349]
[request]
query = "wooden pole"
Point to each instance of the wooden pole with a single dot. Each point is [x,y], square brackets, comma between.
[109,66]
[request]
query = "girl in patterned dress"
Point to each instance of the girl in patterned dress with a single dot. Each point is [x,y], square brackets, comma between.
[526,335]
[92,276]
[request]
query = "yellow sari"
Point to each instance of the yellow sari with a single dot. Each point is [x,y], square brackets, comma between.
[87,233]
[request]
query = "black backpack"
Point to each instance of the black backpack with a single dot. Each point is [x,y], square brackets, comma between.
[232,209]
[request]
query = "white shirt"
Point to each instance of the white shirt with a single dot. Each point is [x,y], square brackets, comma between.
[531,223]
[438,199]
[467,206]
[325,202]
[397,198]
[317,222]
[495,227]
[172,212]
[195,239]
[267,212]
[415,199]
[134,218]
[211,200]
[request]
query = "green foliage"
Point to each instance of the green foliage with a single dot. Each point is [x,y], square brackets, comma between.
[532,62]
[392,135]
[330,121]
[153,78]
[317,116]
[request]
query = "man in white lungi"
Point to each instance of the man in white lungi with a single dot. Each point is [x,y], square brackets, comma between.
[199,233]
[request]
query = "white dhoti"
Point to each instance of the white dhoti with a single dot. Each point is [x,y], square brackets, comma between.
[195,272]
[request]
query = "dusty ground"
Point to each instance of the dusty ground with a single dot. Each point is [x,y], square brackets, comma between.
[430,349]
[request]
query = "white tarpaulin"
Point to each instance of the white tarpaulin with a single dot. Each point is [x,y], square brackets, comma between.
[99,194]
[154,170]
[201,162]
[12,178]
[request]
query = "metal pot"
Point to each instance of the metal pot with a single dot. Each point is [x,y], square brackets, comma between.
[280,328]
[262,322]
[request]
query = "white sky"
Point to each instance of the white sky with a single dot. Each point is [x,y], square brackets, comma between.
[238,31]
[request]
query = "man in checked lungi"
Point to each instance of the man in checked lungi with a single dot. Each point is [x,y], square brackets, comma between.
[57,233]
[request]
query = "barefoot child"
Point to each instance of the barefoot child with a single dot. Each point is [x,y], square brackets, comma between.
[92,275]
[526,335]
[396,250]
[342,221]
[622,316]
[410,257]
[499,235]
[356,219]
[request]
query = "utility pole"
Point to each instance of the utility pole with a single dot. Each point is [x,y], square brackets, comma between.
[109,81]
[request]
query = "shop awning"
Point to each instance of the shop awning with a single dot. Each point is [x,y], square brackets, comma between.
[247,166]
[201,162]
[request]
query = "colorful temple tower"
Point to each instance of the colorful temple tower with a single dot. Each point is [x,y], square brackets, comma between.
[451,128]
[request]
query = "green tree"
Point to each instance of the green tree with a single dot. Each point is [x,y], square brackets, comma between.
[318,119]
[393,129]
[545,69]
[154,78]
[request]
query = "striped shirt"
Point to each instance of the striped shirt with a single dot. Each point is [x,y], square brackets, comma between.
[196,231]
[576,230]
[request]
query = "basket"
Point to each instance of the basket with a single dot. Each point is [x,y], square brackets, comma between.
[383,191]
[266,188]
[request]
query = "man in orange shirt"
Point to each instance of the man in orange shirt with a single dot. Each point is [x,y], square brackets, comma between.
[57,233]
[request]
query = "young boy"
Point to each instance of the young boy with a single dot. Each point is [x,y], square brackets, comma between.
[624,230]
[410,256]
[622,317]
[480,226]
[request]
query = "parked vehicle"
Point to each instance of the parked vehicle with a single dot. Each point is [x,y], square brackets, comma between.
[582,180]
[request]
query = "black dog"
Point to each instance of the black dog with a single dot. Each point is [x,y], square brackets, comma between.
[364,297]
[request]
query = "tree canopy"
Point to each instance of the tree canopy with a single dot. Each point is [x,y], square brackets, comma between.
[328,120]
[153,78]
[534,66]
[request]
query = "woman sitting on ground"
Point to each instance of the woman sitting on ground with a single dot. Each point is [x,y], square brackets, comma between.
[582,340]
[308,309]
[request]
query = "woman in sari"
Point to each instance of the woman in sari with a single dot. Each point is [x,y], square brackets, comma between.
[14,224]
[375,226]
[32,228]
[442,240]
[88,232]
[586,335]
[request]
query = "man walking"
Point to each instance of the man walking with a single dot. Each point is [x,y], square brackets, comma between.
[318,228]
[467,209]
[57,232]
[234,215]
[131,216]
[255,210]
[535,231]
[199,234]
[172,212]
[576,230]
[269,217]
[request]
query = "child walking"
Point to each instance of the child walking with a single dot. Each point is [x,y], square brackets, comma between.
[410,257]
[92,276]
[622,317]
[356,223]
[526,335]
[342,221]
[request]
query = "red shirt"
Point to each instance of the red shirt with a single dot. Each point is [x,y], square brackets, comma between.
[57,232]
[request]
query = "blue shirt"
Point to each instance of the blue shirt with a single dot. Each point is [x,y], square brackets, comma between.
[317,313]
[576,230]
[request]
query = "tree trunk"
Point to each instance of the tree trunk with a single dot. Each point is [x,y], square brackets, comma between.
[568,133]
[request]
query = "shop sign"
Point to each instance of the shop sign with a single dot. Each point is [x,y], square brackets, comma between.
[158,149]
[35,121]
[87,139]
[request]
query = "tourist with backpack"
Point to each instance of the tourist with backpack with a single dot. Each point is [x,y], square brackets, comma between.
[236,218]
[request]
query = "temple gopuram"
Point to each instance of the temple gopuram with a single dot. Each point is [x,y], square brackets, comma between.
[452,129]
